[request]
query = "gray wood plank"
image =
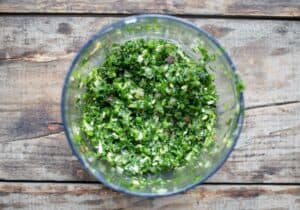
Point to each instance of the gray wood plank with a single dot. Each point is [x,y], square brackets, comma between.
[289,8]
[265,51]
[92,196]
[268,151]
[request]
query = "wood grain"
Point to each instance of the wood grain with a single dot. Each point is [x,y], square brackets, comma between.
[36,51]
[289,8]
[268,151]
[86,196]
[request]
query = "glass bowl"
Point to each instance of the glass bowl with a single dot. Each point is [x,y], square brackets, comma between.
[229,106]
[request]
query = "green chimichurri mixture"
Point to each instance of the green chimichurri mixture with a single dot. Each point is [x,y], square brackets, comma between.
[149,107]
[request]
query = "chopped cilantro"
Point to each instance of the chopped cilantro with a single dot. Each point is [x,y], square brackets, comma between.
[149,107]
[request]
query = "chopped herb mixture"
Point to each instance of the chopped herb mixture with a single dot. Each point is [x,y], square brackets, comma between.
[149,107]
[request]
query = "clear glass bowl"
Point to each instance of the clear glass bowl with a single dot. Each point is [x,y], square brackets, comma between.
[229,106]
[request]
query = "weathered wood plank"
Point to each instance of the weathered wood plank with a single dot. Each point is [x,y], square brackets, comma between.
[92,196]
[264,51]
[268,148]
[268,151]
[35,53]
[289,8]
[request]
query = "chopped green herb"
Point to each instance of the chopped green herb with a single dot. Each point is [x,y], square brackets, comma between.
[240,86]
[149,107]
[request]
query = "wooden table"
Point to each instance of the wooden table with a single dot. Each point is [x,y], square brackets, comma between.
[38,39]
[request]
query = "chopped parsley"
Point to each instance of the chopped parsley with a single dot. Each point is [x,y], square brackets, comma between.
[149,107]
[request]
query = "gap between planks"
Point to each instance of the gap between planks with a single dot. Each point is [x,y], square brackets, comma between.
[89,182]
[189,16]
[271,104]
[277,8]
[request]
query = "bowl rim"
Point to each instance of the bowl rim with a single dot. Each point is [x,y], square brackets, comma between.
[98,176]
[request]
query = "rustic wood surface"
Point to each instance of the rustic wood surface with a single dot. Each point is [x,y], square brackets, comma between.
[267,152]
[36,48]
[95,196]
[285,8]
